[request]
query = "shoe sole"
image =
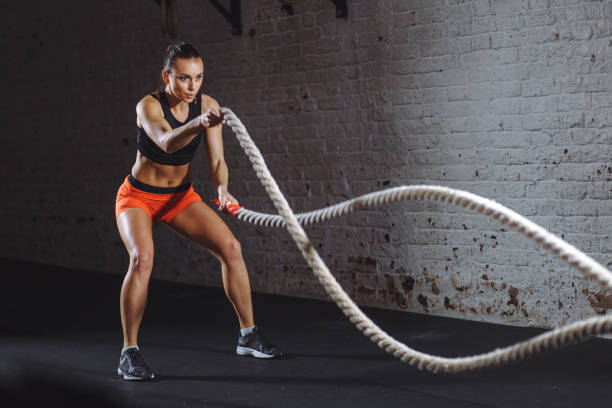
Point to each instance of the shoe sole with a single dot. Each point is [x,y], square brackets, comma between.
[133,378]
[245,351]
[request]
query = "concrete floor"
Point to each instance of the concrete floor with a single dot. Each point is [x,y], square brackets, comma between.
[60,338]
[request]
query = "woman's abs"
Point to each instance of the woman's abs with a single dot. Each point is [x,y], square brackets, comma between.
[160,175]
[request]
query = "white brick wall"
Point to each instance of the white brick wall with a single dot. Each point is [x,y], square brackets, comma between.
[509,99]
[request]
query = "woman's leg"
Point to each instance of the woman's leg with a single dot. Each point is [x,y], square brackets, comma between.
[202,225]
[136,229]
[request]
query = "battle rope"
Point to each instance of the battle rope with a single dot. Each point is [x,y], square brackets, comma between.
[555,338]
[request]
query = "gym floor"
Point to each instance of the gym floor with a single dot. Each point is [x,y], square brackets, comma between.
[60,340]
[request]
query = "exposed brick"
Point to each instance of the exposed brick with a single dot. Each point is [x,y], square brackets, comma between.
[506,99]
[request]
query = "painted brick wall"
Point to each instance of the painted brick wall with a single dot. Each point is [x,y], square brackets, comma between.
[506,99]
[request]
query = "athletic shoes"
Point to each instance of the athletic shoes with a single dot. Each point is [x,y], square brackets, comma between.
[256,345]
[132,366]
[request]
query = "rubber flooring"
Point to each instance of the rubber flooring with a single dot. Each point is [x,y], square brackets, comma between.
[60,339]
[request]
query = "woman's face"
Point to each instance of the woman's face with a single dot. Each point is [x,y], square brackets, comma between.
[185,78]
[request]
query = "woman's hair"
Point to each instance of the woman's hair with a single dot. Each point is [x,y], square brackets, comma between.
[174,51]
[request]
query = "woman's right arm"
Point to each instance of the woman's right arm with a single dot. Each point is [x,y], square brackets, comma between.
[151,118]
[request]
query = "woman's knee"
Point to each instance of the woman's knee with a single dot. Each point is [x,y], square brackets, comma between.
[232,251]
[141,261]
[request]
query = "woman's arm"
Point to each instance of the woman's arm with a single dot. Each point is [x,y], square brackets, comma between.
[216,159]
[151,117]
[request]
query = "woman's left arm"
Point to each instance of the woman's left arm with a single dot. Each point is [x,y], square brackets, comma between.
[216,160]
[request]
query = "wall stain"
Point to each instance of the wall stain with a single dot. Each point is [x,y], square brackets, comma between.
[369,261]
[459,288]
[408,284]
[484,308]
[600,301]
[448,304]
[400,300]
[423,301]
[389,281]
[434,288]
[365,293]
[513,292]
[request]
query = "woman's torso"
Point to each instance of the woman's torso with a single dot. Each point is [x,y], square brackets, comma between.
[151,162]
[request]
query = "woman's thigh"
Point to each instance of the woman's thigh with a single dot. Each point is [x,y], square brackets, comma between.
[136,230]
[201,224]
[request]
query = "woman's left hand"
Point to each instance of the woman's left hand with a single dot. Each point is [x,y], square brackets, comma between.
[225,198]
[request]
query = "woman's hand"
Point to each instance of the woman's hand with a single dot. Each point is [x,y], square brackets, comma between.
[225,198]
[211,118]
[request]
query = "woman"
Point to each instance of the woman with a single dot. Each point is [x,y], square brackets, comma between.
[170,125]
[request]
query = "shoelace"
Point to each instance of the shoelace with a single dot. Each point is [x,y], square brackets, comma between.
[136,358]
[267,347]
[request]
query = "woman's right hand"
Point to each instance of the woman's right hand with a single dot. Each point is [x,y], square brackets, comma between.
[211,118]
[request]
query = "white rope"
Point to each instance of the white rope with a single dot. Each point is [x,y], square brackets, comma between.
[549,340]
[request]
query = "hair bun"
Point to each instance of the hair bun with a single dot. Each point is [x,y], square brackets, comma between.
[182,50]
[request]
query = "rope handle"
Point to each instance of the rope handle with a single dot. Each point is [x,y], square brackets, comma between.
[229,208]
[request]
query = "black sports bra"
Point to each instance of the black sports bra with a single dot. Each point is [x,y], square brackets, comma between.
[149,149]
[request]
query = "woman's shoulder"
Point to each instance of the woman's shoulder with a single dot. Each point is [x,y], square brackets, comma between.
[151,97]
[208,102]
[149,102]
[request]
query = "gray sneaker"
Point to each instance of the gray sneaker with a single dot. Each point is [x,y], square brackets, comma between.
[256,345]
[132,366]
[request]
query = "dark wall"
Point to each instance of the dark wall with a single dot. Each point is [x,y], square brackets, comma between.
[506,99]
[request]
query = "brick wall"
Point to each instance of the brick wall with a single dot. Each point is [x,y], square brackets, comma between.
[506,99]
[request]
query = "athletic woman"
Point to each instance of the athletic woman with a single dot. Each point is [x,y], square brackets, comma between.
[170,124]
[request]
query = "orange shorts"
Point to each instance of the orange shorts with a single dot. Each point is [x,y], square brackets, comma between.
[161,203]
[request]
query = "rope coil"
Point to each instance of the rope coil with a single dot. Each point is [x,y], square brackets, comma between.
[553,339]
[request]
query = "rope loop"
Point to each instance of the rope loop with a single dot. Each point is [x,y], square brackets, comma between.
[558,337]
